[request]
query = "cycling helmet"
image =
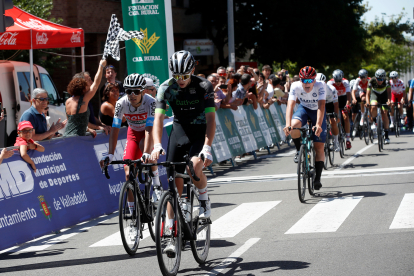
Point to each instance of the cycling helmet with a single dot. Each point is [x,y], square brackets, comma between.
[394,74]
[338,75]
[181,62]
[134,80]
[351,83]
[363,73]
[380,74]
[307,72]
[320,77]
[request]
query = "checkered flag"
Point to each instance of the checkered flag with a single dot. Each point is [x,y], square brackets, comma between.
[116,34]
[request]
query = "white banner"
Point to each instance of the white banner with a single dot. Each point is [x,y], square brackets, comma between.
[278,123]
[263,126]
[240,117]
[220,147]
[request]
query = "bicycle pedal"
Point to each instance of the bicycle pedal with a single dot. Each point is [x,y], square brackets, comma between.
[205,221]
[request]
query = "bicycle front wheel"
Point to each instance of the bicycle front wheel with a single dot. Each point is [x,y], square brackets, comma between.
[366,131]
[311,176]
[379,131]
[342,142]
[326,150]
[302,173]
[168,260]
[129,224]
[201,246]
[397,119]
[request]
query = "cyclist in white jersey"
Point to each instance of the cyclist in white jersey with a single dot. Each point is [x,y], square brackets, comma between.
[397,95]
[331,106]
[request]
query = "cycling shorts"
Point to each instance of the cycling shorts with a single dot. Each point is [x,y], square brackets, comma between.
[396,98]
[185,139]
[342,101]
[355,108]
[303,114]
[329,107]
[379,99]
[132,150]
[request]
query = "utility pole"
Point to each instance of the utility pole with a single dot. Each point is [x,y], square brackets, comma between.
[230,23]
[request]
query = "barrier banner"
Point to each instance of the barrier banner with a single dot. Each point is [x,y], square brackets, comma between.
[67,188]
[230,131]
[271,126]
[243,127]
[278,123]
[263,126]
[254,123]
[220,147]
[281,114]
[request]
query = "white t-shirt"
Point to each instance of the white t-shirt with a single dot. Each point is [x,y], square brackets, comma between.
[137,118]
[270,91]
[398,87]
[331,93]
[308,100]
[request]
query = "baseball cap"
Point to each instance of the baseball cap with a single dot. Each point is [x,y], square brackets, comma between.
[149,82]
[24,124]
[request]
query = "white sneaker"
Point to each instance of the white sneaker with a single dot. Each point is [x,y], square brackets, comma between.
[336,146]
[386,141]
[392,125]
[170,249]
[205,209]
[156,194]
[133,231]
[402,122]
[354,133]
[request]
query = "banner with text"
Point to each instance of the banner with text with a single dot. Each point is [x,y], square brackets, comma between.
[254,123]
[230,132]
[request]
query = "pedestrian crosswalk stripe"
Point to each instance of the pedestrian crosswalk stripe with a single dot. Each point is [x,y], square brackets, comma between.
[239,218]
[115,239]
[404,218]
[326,216]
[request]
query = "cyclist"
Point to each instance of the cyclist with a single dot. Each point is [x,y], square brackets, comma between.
[311,95]
[331,106]
[138,109]
[357,93]
[360,85]
[379,92]
[192,101]
[397,95]
[344,98]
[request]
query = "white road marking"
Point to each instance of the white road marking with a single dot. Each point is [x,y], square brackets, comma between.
[404,217]
[115,239]
[239,218]
[326,216]
[233,257]
[354,156]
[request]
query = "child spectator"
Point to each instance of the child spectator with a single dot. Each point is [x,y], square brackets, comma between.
[25,141]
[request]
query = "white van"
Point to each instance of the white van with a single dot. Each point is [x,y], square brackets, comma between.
[14,90]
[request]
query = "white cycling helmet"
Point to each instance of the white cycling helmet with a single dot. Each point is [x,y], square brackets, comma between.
[134,81]
[320,77]
[181,62]
[394,74]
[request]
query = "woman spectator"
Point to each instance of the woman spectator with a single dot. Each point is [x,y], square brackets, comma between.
[77,106]
[107,110]
[252,95]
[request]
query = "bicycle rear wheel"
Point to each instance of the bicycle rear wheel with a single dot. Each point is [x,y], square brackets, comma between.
[169,263]
[366,130]
[151,225]
[201,246]
[397,119]
[326,151]
[129,225]
[342,142]
[379,131]
[331,155]
[311,176]
[302,174]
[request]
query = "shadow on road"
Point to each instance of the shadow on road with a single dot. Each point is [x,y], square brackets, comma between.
[333,194]
[352,165]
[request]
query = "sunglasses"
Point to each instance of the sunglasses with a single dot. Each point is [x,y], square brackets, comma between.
[307,80]
[380,79]
[362,77]
[42,99]
[183,77]
[394,78]
[222,74]
[26,131]
[135,91]
[109,67]
[230,71]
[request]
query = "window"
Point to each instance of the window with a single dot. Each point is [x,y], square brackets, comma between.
[24,86]
[49,86]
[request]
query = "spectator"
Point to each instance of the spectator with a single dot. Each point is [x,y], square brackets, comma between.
[285,80]
[36,116]
[221,71]
[150,88]
[4,154]
[93,123]
[260,89]
[201,75]
[25,141]
[295,78]
[242,88]
[252,94]
[77,109]
[230,72]
[215,74]
[219,96]
[107,110]
[266,70]
[278,90]
[222,81]
[110,75]
[23,96]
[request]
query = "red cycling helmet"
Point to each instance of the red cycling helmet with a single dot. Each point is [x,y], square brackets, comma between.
[307,72]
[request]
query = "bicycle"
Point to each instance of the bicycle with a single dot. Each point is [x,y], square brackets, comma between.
[342,135]
[329,143]
[145,209]
[397,116]
[187,225]
[380,127]
[365,127]
[306,162]
[356,124]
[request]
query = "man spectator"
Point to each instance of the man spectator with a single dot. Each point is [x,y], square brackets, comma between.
[221,71]
[256,71]
[230,71]
[150,88]
[110,75]
[266,70]
[95,123]
[36,116]
[219,96]
[242,89]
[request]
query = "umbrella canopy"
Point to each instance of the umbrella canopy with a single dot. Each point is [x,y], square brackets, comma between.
[31,32]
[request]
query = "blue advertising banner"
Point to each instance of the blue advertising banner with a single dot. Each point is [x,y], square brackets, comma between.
[67,187]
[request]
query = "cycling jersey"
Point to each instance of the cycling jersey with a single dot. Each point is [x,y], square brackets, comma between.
[362,85]
[309,100]
[359,91]
[398,87]
[189,104]
[379,89]
[331,94]
[137,117]
[342,88]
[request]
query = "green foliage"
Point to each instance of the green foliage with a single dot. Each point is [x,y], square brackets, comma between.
[41,9]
